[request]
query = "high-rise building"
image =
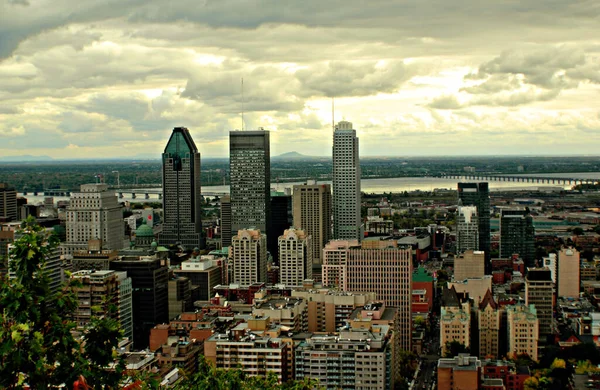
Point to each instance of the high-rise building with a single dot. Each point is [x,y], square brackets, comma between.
[478,195]
[312,213]
[455,320]
[517,235]
[281,219]
[8,203]
[358,357]
[248,255]
[149,281]
[104,293]
[347,223]
[469,265]
[295,258]
[539,291]
[182,198]
[568,274]
[94,213]
[522,326]
[378,266]
[225,221]
[250,177]
[180,296]
[489,321]
[467,229]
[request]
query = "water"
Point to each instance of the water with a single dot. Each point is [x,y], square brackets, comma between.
[397,184]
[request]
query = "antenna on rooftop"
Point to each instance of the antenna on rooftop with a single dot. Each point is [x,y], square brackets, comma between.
[242,103]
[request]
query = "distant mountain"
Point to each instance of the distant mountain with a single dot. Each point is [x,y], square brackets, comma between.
[25,158]
[294,156]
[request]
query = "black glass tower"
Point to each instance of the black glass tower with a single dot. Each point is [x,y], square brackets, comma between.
[478,195]
[182,199]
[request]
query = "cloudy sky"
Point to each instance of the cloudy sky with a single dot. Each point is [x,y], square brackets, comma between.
[111,78]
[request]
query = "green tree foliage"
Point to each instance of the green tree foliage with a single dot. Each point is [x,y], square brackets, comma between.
[37,346]
[453,348]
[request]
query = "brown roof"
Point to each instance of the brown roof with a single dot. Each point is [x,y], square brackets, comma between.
[488,299]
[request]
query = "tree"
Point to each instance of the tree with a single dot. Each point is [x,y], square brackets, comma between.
[453,348]
[578,231]
[37,346]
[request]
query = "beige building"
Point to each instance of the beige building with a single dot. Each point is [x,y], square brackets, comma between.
[312,213]
[469,265]
[539,291]
[248,255]
[328,309]
[289,312]
[376,265]
[295,257]
[569,271]
[489,320]
[455,325]
[94,213]
[476,288]
[522,327]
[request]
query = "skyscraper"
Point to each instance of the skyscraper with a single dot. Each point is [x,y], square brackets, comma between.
[182,223]
[248,254]
[295,258]
[346,183]
[281,219]
[250,177]
[539,291]
[94,213]
[312,213]
[517,235]
[8,203]
[225,221]
[478,195]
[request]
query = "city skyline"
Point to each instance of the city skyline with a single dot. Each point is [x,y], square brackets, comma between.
[103,80]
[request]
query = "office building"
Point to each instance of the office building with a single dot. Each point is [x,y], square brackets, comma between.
[539,291]
[462,372]
[204,272]
[522,327]
[517,235]
[489,321]
[378,266]
[104,293]
[312,213]
[295,258]
[470,264]
[281,219]
[182,198]
[149,281]
[568,275]
[358,357]
[8,203]
[225,222]
[478,195]
[347,223]
[250,177]
[180,296]
[467,229]
[248,257]
[94,213]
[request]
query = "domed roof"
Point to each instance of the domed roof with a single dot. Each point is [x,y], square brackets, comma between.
[144,230]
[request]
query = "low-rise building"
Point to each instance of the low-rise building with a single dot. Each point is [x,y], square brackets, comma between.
[462,372]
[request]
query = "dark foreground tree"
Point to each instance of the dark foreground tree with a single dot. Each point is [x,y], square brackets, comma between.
[37,345]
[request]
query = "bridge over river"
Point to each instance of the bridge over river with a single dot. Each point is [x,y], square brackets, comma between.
[525,179]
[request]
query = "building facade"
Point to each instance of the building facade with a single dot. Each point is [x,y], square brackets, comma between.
[225,221]
[281,219]
[347,223]
[539,292]
[312,213]
[467,229]
[478,195]
[470,264]
[295,257]
[489,322]
[94,213]
[182,198]
[569,270]
[248,257]
[522,327]
[462,372]
[8,203]
[250,178]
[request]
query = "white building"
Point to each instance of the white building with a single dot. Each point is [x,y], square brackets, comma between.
[467,229]
[295,257]
[346,183]
[248,254]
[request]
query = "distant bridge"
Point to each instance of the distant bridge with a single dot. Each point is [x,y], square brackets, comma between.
[146,192]
[525,179]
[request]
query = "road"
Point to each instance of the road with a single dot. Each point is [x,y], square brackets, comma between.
[428,373]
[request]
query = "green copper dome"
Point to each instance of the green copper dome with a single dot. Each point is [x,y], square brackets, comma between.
[144,231]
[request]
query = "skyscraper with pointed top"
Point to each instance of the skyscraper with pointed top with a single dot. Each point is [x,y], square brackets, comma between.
[346,183]
[181,192]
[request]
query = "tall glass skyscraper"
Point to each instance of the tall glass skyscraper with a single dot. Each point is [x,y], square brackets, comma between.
[182,221]
[346,183]
[478,195]
[250,178]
